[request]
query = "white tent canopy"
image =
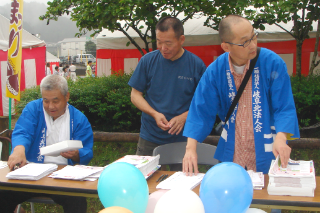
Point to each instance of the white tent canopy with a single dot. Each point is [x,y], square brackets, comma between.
[28,40]
[52,58]
[196,35]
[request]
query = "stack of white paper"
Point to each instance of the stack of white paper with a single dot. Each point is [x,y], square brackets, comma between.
[3,164]
[180,180]
[78,172]
[32,171]
[146,164]
[257,179]
[298,179]
[54,150]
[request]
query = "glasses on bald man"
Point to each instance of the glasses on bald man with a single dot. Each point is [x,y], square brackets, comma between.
[247,42]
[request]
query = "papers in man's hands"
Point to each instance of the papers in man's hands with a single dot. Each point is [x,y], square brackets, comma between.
[32,171]
[146,164]
[180,180]
[257,179]
[78,172]
[54,150]
[298,179]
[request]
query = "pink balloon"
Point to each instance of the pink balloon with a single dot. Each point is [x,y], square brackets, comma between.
[153,199]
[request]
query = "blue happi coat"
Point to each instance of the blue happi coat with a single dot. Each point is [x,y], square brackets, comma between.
[30,131]
[273,108]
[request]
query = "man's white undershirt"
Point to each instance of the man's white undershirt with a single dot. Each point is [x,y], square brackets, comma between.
[57,130]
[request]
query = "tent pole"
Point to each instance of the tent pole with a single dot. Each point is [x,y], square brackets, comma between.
[9,122]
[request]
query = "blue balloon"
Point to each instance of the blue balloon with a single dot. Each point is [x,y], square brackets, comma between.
[122,184]
[226,188]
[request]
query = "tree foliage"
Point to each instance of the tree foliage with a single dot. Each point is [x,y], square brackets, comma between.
[303,14]
[139,15]
[90,48]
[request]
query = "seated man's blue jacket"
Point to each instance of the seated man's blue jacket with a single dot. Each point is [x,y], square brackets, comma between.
[30,131]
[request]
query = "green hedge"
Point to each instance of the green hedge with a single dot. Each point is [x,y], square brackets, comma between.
[306,94]
[106,101]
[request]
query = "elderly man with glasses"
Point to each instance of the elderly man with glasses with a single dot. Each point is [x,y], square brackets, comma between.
[265,116]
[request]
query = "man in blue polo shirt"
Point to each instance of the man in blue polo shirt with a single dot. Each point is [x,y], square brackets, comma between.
[168,77]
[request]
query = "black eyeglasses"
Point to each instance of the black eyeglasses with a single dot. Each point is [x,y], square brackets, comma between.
[246,43]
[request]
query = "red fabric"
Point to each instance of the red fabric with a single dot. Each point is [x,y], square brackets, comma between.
[207,53]
[39,54]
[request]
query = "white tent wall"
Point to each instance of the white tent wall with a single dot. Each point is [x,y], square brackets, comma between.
[30,73]
[5,99]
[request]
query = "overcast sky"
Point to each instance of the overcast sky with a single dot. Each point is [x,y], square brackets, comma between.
[3,2]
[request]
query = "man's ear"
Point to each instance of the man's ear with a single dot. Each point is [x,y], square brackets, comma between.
[225,47]
[67,96]
[182,39]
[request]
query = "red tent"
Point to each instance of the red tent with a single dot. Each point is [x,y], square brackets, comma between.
[32,66]
[113,54]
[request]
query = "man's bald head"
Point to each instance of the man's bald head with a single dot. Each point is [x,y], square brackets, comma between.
[225,27]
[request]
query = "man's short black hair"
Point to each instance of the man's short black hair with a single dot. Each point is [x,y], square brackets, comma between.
[170,22]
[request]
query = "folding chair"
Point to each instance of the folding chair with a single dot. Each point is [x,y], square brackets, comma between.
[173,153]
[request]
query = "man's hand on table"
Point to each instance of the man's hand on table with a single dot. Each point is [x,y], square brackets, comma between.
[73,155]
[190,160]
[18,156]
[281,148]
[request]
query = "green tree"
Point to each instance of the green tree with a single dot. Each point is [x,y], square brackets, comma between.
[139,15]
[91,48]
[303,14]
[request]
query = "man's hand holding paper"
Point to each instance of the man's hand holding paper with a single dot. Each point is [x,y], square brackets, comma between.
[73,155]
[281,148]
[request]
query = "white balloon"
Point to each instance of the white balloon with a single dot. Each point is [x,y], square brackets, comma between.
[179,201]
[254,210]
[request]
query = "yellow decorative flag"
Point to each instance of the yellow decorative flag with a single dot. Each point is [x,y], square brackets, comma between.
[15,50]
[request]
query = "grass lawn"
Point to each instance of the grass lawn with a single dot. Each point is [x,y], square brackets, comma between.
[105,153]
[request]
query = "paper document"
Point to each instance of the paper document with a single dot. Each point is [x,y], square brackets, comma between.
[180,180]
[3,164]
[77,172]
[294,168]
[257,179]
[32,171]
[54,150]
[145,164]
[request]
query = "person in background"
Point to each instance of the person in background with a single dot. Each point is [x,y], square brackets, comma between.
[73,74]
[48,70]
[44,122]
[65,72]
[163,85]
[89,70]
[265,117]
[93,70]
[56,70]
[61,73]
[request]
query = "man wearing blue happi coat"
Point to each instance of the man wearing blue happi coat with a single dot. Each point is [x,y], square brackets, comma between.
[265,116]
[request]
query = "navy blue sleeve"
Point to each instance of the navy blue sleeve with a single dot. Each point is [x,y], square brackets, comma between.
[138,79]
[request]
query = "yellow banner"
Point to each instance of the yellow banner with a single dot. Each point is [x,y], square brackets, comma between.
[15,50]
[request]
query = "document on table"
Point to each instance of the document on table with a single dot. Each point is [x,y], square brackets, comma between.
[180,180]
[3,164]
[32,171]
[78,172]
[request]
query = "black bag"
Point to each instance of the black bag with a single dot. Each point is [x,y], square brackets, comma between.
[218,129]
